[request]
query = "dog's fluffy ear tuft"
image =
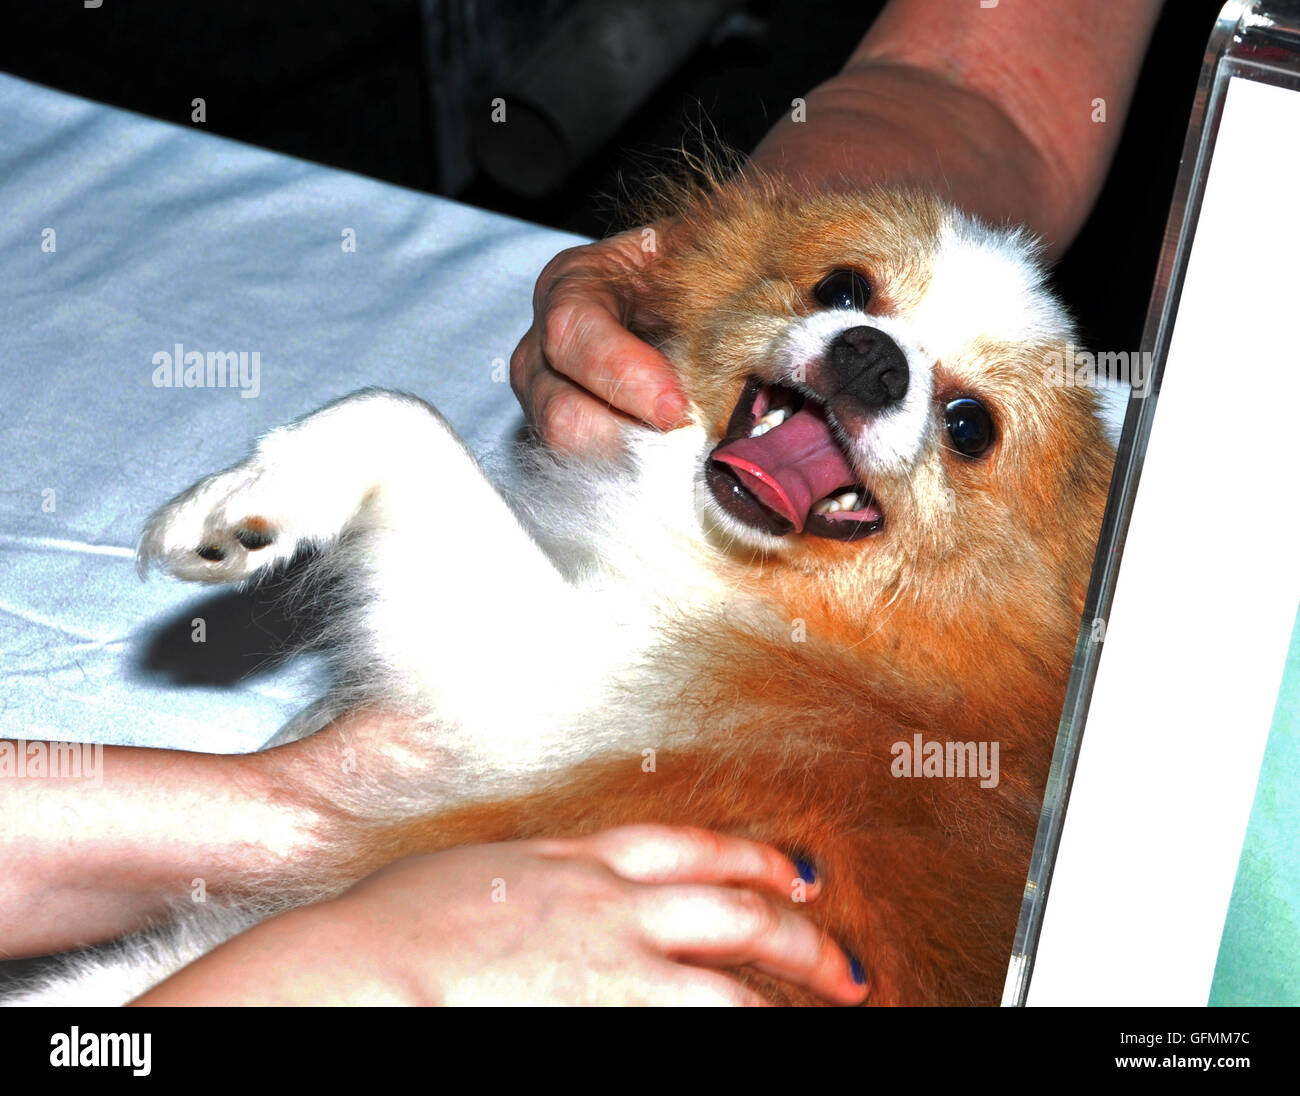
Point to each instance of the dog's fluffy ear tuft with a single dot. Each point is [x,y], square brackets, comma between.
[676,181]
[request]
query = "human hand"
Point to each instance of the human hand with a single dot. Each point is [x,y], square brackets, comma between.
[637,915]
[634,915]
[578,372]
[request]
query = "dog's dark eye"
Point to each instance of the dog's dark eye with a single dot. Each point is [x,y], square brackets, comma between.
[843,289]
[969,425]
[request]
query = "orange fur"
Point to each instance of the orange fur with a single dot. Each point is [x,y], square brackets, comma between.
[958,627]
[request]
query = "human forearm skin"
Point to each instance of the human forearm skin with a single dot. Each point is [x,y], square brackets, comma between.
[993,108]
[82,863]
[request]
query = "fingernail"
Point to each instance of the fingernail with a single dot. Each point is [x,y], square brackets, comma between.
[806,871]
[670,410]
[858,975]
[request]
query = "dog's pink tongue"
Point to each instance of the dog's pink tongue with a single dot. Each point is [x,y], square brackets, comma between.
[791,466]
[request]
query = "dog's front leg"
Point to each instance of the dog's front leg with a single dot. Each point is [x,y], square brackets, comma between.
[371,459]
[452,612]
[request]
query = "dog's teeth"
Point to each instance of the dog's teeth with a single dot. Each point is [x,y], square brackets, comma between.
[826,506]
[769,421]
[848,501]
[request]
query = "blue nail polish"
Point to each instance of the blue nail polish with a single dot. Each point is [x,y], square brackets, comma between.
[856,972]
[806,871]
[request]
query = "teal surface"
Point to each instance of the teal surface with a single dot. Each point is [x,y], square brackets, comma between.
[1259,955]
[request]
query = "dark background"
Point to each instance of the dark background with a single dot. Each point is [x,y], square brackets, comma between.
[385,88]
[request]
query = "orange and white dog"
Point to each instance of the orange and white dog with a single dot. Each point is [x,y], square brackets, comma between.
[866,558]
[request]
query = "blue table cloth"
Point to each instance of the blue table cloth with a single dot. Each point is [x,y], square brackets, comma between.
[127,243]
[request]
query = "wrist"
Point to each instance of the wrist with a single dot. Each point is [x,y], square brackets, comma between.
[316,955]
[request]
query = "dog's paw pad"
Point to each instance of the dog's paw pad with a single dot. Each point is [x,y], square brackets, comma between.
[254,533]
[211,553]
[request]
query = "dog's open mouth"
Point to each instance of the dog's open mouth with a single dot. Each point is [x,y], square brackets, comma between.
[781,469]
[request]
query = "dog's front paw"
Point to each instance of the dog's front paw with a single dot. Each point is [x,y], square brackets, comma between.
[222,529]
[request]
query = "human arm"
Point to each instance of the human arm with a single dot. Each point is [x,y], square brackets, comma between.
[637,915]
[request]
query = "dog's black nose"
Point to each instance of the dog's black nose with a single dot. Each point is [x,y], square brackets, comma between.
[866,364]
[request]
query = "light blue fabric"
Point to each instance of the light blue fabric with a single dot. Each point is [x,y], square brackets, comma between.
[164,235]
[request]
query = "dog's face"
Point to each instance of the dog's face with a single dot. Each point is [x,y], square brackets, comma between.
[870,373]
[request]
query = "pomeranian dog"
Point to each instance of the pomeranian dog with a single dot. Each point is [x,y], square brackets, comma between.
[836,613]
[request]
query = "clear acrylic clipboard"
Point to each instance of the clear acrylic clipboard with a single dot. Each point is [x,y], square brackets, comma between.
[1252,59]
